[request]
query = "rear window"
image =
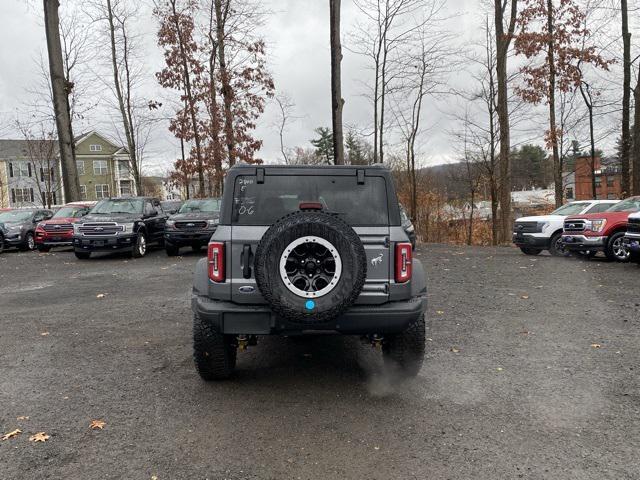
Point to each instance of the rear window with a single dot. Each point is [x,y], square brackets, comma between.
[263,204]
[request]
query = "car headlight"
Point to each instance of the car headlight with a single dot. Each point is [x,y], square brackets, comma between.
[597,225]
[542,226]
[128,227]
[171,223]
[14,228]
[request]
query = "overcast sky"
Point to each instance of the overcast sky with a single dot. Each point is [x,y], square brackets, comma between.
[298,49]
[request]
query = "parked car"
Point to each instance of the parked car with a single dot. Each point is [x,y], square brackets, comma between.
[58,230]
[17,227]
[407,226]
[544,232]
[192,226]
[601,231]
[120,224]
[632,237]
[171,206]
[308,250]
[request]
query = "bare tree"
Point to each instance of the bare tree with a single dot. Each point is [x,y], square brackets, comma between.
[285,116]
[503,40]
[61,88]
[626,99]
[337,102]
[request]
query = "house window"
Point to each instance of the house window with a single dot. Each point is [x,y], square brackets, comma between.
[102,191]
[570,193]
[22,195]
[83,192]
[598,181]
[612,196]
[95,148]
[80,166]
[125,188]
[23,170]
[610,181]
[100,167]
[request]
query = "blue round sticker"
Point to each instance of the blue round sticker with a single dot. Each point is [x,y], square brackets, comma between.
[310,304]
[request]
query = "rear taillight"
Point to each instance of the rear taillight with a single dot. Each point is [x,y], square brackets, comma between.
[403,262]
[215,255]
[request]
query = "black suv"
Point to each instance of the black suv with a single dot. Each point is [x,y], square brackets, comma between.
[17,227]
[192,226]
[120,224]
[304,250]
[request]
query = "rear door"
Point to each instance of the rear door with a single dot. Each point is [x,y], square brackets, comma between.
[360,200]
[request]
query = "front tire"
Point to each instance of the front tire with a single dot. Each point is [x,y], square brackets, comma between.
[556,247]
[615,249]
[140,248]
[530,251]
[405,351]
[82,255]
[1,244]
[29,243]
[213,353]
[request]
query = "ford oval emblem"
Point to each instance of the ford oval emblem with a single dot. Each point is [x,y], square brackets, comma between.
[247,289]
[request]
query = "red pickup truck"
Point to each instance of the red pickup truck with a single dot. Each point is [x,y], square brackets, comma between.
[600,232]
[58,231]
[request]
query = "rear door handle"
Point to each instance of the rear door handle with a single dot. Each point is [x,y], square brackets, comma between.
[246,261]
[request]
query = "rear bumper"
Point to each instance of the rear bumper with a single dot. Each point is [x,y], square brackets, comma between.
[181,238]
[104,244]
[529,240]
[582,242]
[231,318]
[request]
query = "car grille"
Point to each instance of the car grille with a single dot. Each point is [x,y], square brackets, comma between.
[574,225]
[634,225]
[191,225]
[526,227]
[99,229]
[58,228]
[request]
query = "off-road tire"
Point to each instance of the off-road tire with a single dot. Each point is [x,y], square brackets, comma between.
[299,224]
[82,255]
[530,251]
[609,249]
[136,250]
[1,244]
[213,353]
[171,250]
[555,246]
[404,352]
[43,248]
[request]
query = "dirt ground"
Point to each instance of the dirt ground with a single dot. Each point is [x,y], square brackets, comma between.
[531,372]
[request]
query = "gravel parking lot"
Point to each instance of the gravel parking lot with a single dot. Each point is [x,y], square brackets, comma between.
[531,372]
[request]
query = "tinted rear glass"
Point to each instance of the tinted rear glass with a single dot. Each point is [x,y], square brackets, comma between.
[263,204]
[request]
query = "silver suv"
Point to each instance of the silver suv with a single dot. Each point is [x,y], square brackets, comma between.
[307,250]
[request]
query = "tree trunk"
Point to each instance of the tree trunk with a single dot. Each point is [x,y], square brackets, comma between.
[557,165]
[189,100]
[61,88]
[125,110]
[213,107]
[626,100]
[502,49]
[336,89]
[227,91]
[636,140]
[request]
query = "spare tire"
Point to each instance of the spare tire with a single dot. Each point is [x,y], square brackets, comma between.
[310,266]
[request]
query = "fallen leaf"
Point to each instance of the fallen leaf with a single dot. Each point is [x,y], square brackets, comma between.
[524,297]
[454,350]
[44,334]
[154,477]
[39,437]
[97,425]
[101,295]
[9,435]
[596,345]
[439,312]
[22,417]
[499,369]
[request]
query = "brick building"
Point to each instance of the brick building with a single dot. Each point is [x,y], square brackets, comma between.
[608,179]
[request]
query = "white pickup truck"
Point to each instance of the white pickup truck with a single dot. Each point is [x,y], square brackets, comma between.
[632,237]
[544,232]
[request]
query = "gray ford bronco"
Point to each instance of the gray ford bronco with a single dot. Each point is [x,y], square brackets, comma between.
[308,250]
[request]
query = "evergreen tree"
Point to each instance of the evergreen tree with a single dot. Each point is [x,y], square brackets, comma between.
[324,144]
